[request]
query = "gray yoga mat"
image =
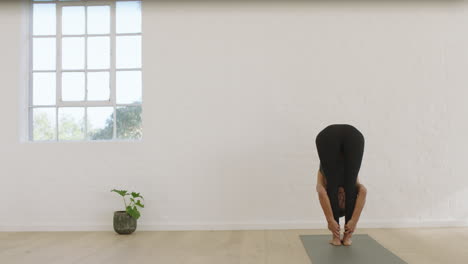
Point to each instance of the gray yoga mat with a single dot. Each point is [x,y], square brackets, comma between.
[364,250]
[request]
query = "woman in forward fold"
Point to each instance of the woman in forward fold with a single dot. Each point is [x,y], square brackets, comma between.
[340,148]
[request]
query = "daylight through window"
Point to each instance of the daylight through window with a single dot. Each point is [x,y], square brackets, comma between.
[86,70]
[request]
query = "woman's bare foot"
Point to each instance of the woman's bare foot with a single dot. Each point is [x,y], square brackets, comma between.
[335,241]
[347,240]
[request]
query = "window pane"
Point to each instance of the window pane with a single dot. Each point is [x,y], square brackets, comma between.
[128,17]
[44,53]
[98,52]
[71,123]
[44,87]
[98,19]
[44,19]
[128,52]
[98,86]
[44,124]
[100,123]
[73,20]
[129,122]
[73,86]
[73,53]
[128,86]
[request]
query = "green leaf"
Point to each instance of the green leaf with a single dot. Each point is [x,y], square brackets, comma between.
[139,204]
[137,213]
[136,195]
[133,212]
[121,192]
[131,199]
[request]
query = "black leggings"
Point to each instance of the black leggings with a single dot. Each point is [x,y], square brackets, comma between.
[340,148]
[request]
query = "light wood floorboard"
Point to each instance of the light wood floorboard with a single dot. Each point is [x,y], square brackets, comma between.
[414,245]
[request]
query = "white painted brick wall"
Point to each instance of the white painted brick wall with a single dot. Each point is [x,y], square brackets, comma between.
[234,95]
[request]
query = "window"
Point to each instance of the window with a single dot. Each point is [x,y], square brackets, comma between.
[86,70]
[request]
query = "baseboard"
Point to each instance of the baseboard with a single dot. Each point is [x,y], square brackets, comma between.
[413,223]
[237,226]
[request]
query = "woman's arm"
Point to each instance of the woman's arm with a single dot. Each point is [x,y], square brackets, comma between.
[360,202]
[333,226]
[323,197]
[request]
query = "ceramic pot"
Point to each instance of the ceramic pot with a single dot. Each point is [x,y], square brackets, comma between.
[124,224]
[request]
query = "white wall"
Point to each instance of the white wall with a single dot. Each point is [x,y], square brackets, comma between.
[234,95]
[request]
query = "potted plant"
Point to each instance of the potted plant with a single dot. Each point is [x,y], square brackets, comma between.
[125,222]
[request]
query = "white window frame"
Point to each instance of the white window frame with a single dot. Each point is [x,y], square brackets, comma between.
[112,102]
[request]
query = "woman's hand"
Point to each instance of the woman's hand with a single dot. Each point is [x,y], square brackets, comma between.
[350,226]
[334,227]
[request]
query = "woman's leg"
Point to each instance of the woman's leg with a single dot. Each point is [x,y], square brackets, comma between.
[353,151]
[328,148]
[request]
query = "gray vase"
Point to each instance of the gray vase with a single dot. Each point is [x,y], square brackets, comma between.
[124,224]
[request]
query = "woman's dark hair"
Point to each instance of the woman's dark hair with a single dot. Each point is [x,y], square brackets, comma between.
[342,212]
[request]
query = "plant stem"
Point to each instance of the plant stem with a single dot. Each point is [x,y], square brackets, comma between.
[124,202]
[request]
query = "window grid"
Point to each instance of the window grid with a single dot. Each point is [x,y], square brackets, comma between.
[112,69]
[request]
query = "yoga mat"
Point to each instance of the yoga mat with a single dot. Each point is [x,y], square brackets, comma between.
[364,250]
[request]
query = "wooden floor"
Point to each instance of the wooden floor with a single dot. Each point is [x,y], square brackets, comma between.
[423,245]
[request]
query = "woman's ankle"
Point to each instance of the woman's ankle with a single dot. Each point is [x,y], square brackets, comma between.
[347,236]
